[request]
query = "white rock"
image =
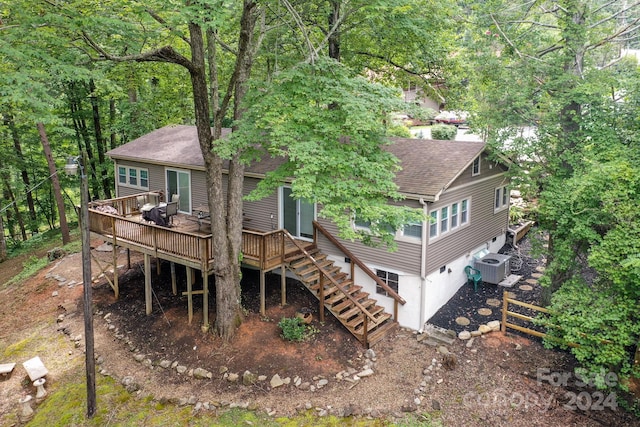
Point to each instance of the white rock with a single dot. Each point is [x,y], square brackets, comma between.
[494,325]
[464,335]
[276,381]
[365,373]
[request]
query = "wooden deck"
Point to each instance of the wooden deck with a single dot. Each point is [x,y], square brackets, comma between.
[188,241]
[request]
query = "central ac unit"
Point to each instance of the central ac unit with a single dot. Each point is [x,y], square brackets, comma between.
[493,267]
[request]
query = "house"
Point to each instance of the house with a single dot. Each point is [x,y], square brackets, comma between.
[460,189]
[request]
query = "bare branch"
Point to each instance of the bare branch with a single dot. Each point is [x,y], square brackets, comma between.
[613,16]
[418,74]
[164,54]
[535,23]
[223,45]
[515,49]
[298,20]
[632,27]
[161,20]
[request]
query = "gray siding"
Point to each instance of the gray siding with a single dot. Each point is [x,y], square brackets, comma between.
[198,189]
[484,223]
[258,214]
[405,259]
[156,178]
[487,168]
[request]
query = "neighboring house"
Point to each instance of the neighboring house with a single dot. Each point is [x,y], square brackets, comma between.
[461,191]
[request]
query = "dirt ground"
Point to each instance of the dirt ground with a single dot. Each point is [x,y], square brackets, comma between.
[498,380]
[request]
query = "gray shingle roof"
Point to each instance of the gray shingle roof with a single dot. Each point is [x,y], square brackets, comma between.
[428,166]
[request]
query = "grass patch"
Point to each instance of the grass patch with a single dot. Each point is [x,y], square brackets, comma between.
[38,243]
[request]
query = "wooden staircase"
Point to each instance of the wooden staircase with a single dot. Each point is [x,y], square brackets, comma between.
[359,313]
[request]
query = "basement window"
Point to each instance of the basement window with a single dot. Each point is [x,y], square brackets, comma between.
[391,279]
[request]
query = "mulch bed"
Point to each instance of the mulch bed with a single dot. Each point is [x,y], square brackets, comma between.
[466,302]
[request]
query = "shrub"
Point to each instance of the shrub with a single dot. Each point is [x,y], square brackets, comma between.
[444,132]
[293,329]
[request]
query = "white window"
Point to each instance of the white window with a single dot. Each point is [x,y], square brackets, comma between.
[454,215]
[391,280]
[413,230]
[475,168]
[433,227]
[359,223]
[464,212]
[408,232]
[444,219]
[133,177]
[448,218]
[501,198]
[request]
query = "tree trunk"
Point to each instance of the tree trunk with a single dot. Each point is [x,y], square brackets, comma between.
[33,224]
[3,241]
[112,123]
[334,37]
[228,309]
[64,227]
[97,130]
[8,195]
[76,94]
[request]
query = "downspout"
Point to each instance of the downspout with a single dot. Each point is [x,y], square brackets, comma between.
[423,259]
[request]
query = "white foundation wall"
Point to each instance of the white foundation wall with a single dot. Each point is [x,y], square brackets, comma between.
[440,287]
[408,288]
[423,298]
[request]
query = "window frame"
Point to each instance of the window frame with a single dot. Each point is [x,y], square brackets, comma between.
[440,226]
[140,175]
[399,234]
[476,167]
[501,198]
[393,283]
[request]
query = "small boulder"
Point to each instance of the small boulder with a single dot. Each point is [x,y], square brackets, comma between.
[464,335]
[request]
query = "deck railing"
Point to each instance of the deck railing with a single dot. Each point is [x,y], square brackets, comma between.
[193,247]
[262,249]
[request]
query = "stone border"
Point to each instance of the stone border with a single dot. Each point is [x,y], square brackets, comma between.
[350,375]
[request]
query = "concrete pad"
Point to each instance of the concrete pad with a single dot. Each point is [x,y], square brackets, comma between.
[510,280]
[6,368]
[35,368]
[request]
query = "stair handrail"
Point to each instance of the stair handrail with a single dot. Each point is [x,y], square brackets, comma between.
[393,294]
[331,279]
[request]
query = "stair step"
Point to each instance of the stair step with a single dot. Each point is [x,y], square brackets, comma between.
[339,304]
[302,259]
[316,276]
[357,322]
[311,267]
[337,297]
[378,333]
[356,310]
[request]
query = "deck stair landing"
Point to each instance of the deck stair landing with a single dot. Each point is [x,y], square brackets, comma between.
[343,298]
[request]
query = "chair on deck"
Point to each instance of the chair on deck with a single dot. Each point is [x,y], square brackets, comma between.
[473,274]
[140,202]
[170,211]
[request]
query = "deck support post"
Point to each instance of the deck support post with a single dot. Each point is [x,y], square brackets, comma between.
[128,259]
[190,292]
[321,297]
[115,269]
[174,286]
[283,286]
[262,293]
[147,283]
[205,301]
